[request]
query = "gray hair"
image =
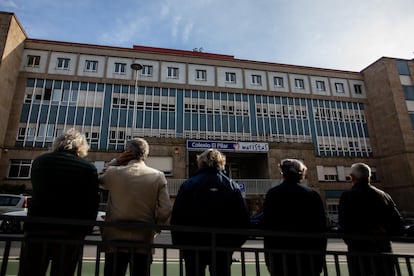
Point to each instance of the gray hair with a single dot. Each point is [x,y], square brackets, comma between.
[361,171]
[211,158]
[293,169]
[71,141]
[139,148]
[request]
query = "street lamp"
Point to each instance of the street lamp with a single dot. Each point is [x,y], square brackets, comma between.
[136,67]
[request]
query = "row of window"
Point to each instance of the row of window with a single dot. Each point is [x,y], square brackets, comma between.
[339,173]
[47,132]
[20,168]
[230,77]
[178,113]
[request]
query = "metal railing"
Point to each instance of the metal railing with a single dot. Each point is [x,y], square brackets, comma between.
[168,259]
[251,186]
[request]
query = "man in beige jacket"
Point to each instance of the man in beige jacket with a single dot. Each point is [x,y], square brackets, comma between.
[137,193]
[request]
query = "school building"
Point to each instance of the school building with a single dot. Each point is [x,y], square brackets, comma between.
[185,101]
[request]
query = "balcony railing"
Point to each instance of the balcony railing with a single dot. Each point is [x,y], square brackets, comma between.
[251,186]
[247,260]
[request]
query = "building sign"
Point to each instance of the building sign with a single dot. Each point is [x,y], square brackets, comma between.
[228,146]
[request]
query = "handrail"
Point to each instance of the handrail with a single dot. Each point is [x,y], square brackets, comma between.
[250,255]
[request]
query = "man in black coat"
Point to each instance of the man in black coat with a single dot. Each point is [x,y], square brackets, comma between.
[65,186]
[297,213]
[371,216]
[209,199]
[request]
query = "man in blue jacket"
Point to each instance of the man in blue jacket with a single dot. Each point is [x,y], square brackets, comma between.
[209,199]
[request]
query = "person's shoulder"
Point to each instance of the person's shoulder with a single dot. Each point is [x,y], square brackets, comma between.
[44,155]
[152,169]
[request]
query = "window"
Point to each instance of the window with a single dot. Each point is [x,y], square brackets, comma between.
[402,67]
[93,137]
[19,168]
[299,84]
[57,95]
[47,94]
[91,65]
[358,89]
[33,61]
[320,86]
[164,164]
[63,63]
[278,81]
[201,75]
[172,72]
[256,80]
[330,174]
[339,87]
[46,130]
[147,70]
[230,77]
[120,68]
[116,136]
[27,133]
[70,96]
[28,98]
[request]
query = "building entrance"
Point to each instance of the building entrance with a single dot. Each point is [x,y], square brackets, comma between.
[238,165]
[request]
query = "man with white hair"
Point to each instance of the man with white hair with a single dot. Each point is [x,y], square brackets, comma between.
[372,215]
[65,186]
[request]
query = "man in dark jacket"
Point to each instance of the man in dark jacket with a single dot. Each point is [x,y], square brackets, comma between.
[371,216]
[298,214]
[209,199]
[65,186]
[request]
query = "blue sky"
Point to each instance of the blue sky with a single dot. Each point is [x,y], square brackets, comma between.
[335,34]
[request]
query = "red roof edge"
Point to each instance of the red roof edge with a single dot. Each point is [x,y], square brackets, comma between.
[180,52]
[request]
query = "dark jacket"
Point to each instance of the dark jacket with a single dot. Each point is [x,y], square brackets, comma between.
[294,209]
[366,210]
[64,186]
[209,199]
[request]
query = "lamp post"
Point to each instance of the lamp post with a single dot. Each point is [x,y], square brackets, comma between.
[136,67]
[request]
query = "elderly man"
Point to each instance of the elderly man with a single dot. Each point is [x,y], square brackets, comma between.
[65,185]
[137,193]
[367,211]
[295,209]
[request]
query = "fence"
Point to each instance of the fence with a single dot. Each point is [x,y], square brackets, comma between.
[168,259]
[251,186]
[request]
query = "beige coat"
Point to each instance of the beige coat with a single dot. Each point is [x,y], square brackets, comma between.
[137,193]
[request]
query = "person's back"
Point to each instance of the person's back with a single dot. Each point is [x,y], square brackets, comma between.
[134,194]
[368,217]
[137,194]
[298,214]
[366,210]
[293,208]
[210,199]
[64,186]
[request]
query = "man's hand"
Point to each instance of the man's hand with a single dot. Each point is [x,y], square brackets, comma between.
[124,158]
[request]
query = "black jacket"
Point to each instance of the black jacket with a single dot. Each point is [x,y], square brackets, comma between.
[293,209]
[64,186]
[366,210]
[209,199]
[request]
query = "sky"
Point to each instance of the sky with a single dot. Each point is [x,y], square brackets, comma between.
[335,34]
